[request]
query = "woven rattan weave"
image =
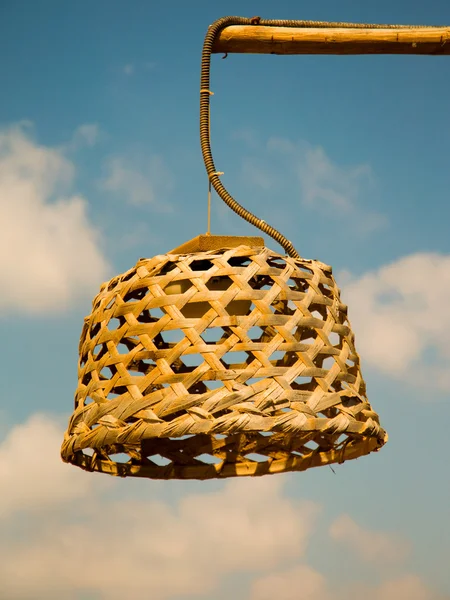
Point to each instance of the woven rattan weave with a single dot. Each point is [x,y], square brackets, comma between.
[228,362]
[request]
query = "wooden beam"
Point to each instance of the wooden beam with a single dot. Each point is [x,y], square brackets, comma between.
[256,39]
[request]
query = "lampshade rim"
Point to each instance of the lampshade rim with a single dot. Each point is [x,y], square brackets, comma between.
[249,468]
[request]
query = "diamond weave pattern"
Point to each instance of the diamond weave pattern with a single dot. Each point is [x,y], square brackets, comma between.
[224,363]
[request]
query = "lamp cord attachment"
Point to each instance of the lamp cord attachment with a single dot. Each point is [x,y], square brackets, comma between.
[205,94]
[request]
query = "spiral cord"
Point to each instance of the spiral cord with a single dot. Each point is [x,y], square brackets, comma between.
[205,93]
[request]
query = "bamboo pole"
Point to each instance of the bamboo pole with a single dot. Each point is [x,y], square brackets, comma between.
[256,39]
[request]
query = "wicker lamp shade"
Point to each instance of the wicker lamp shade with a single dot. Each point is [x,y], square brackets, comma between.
[220,362]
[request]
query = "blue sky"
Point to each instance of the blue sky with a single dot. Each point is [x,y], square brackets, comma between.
[100,165]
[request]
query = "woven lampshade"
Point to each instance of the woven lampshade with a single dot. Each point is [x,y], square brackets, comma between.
[229,361]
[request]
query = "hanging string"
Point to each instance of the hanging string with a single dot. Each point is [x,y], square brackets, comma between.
[208,229]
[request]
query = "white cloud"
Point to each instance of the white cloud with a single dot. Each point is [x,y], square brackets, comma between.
[134,547]
[65,533]
[369,545]
[132,68]
[257,174]
[325,184]
[129,69]
[405,587]
[147,185]
[401,317]
[305,583]
[300,583]
[32,475]
[247,136]
[86,135]
[320,183]
[49,251]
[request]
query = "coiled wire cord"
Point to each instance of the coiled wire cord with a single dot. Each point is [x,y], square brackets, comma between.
[205,93]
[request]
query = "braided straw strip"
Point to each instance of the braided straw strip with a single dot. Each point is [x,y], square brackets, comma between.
[216,364]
